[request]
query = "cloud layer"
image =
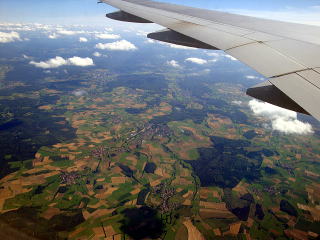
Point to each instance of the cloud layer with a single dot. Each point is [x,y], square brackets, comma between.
[107,36]
[9,37]
[122,45]
[68,32]
[60,61]
[282,120]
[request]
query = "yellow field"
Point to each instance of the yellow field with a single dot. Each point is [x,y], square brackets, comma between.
[193,232]
[206,213]
[97,213]
[235,228]
[118,180]
[50,213]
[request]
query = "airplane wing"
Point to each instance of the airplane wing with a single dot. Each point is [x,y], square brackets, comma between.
[288,54]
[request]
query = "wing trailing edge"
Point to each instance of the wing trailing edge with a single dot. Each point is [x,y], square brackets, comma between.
[170,36]
[269,93]
[126,17]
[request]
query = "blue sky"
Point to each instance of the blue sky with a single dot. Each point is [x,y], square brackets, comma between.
[88,11]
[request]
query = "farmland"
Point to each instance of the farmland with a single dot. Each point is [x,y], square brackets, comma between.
[151,150]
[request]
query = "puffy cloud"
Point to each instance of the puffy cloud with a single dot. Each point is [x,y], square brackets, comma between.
[107,36]
[59,61]
[53,36]
[79,93]
[291,126]
[81,62]
[51,63]
[83,39]
[97,54]
[282,120]
[9,37]
[197,61]
[173,63]
[26,57]
[122,45]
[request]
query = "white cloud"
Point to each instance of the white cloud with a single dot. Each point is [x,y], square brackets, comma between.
[251,77]
[17,27]
[150,41]
[59,61]
[141,33]
[51,63]
[53,36]
[97,54]
[122,45]
[197,61]
[81,62]
[79,93]
[26,57]
[173,63]
[231,58]
[237,102]
[213,60]
[220,55]
[107,36]
[282,120]
[179,46]
[83,39]
[214,54]
[9,37]
[169,44]
[109,29]
[68,32]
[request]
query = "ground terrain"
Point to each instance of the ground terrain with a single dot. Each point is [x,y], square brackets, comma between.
[149,155]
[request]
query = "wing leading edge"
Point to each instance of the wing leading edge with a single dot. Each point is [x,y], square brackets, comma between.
[288,54]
